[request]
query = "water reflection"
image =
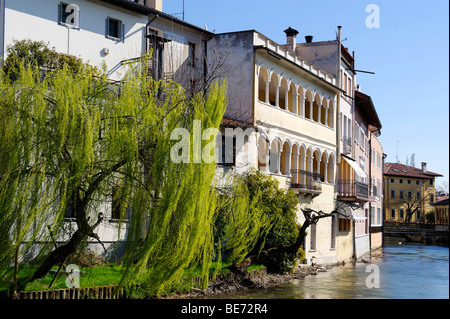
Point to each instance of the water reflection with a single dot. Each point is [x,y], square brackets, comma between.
[407,271]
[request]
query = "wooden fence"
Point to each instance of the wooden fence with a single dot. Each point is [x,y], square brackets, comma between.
[109,292]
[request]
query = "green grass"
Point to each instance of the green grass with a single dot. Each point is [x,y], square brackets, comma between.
[99,276]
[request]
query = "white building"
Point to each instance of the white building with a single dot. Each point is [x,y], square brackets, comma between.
[107,32]
[292,104]
[112,33]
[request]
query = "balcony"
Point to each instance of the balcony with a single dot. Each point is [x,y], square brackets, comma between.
[353,191]
[309,183]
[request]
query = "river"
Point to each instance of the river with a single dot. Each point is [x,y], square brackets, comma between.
[405,271]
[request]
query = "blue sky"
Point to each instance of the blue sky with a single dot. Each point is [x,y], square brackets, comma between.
[409,54]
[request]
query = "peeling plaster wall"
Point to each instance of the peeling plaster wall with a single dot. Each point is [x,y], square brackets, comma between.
[235,52]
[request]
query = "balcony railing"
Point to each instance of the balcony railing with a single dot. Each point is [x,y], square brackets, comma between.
[307,182]
[353,189]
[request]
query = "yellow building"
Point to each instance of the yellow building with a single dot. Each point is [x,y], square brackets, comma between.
[408,188]
[441,210]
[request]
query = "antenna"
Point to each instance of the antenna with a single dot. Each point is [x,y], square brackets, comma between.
[183,10]
[397,152]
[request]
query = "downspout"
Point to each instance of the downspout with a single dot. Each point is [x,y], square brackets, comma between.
[2,31]
[338,84]
[371,191]
[146,30]
[383,201]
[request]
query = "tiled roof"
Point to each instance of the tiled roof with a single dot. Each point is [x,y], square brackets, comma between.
[395,169]
[442,201]
[233,123]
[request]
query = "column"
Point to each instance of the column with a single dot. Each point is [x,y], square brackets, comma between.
[286,100]
[302,105]
[311,109]
[277,97]
[267,91]
[295,96]
[295,168]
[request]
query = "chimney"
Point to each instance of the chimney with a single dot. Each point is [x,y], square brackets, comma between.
[424,167]
[154,4]
[309,38]
[291,39]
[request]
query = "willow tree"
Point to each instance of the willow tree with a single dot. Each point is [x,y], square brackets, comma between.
[67,140]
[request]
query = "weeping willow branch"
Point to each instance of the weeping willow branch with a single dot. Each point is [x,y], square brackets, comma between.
[67,138]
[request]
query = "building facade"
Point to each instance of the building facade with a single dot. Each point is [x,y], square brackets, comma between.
[377,194]
[408,188]
[293,105]
[441,207]
[110,34]
[357,123]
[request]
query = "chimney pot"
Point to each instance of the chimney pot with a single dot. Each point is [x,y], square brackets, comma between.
[309,38]
[291,36]
[424,167]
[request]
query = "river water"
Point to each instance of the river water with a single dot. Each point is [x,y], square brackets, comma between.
[404,271]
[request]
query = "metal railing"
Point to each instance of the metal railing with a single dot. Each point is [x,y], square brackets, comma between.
[307,181]
[349,188]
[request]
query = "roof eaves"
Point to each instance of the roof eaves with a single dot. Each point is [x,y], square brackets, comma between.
[140,8]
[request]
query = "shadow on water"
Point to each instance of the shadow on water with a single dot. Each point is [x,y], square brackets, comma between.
[406,271]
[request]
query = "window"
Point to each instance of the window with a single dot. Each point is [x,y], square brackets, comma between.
[409,195]
[392,180]
[418,214]
[418,195]
[409,181]
[392,193]
[402,213]
[401,194]
[115,29]
[417,183]
[192,58]
[372,215]
[333,232]
[313,237]
[392,212]
[357,134]
[344,224]
[69,15]
[378,216]
[401,181]
[227,155]
[431,198]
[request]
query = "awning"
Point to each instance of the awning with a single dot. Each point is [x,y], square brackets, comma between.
[355,166]
[352,213]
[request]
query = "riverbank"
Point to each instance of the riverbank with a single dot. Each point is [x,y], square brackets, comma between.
[266,281]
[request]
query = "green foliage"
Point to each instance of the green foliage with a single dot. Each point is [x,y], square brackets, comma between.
[256,215]
[68,138]
[38,54]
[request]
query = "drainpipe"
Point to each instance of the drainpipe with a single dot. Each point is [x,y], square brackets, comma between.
[338,109]
[146,29]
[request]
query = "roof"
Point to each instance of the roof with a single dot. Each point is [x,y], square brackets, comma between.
[442,201]
[143,9]
[234,124]
[395,169]
[365,103]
